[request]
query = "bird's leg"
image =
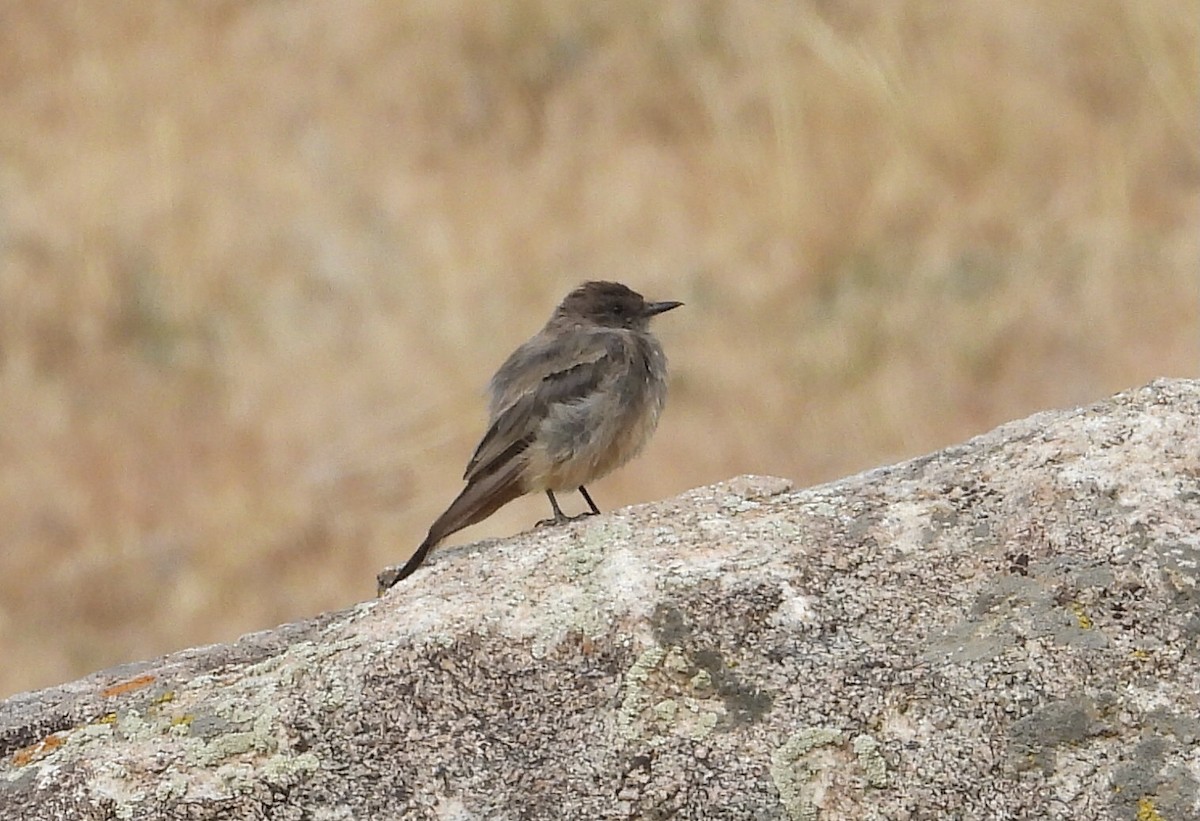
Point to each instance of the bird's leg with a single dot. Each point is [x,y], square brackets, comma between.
[595,510]
[559,516]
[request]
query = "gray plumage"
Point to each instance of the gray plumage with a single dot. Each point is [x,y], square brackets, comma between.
[573,403]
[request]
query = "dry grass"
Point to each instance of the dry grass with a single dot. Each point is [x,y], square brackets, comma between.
[257,261]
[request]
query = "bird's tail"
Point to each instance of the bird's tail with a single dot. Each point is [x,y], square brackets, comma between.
[479,499]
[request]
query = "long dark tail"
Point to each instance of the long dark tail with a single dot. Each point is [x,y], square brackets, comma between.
[478,500]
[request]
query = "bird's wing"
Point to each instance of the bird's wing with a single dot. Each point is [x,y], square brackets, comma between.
[565,379]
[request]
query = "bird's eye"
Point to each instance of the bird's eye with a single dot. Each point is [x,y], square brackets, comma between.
[618,310]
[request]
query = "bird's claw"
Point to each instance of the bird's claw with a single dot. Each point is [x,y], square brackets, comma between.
[562,520]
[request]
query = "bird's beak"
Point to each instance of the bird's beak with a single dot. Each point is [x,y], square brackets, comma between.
[654,308]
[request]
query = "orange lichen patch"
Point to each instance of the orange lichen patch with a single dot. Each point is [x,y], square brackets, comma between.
[127,686]
[33,752]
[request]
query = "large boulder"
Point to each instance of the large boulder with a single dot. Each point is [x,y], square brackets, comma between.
[1004,629]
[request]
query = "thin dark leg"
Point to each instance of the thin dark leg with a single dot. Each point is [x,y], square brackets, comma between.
[588,499]
[559,516]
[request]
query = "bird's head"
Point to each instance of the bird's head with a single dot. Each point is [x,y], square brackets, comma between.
[611,305]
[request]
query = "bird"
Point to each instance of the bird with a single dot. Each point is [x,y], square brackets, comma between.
[573,403]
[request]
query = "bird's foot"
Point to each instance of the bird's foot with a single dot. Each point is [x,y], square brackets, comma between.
[555,521]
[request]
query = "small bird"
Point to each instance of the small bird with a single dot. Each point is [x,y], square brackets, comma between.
[573,403]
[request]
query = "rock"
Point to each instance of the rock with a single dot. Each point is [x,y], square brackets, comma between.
[1004,629]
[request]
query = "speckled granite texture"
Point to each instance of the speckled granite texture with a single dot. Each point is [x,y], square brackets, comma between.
[1005,629]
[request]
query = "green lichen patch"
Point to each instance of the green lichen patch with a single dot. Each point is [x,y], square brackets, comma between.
[660,698]
[796,770]
[870,760]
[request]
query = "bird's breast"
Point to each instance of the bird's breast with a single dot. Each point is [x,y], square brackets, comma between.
[582,441]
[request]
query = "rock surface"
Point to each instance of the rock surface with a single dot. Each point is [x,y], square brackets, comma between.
[1004,629]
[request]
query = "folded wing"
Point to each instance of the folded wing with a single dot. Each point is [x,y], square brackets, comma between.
[565,380]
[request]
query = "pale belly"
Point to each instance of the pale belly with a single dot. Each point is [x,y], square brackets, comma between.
[589,443]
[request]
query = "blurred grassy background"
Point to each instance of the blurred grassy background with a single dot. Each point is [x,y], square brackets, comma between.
[258,260]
